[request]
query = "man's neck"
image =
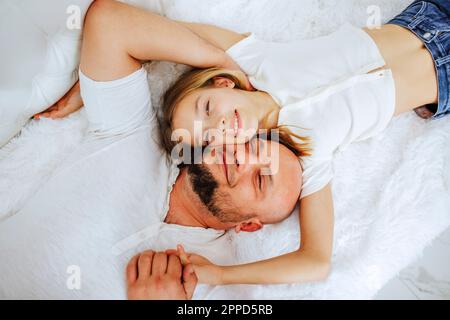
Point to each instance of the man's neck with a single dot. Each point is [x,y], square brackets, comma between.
[183,208]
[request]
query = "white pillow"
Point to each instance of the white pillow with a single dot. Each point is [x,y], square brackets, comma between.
[39,58]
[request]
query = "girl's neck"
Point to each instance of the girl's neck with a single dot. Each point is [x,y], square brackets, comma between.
[267,110]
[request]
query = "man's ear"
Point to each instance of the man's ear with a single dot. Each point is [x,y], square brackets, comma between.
[222,82]
[251,225]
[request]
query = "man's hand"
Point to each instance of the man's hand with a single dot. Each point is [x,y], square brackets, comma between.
[158,276]
[68,104]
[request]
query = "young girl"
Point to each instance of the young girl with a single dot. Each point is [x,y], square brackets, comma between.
[334,90]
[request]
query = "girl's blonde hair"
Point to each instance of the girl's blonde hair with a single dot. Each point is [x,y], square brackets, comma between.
[201,78]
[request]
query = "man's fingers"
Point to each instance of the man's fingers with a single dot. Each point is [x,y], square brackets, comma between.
[60,113]
[174,266]
[68,104]
[64,111]
[159,266]
[171,252]
[189,280]
[145,264]
[51,108]
[132,269]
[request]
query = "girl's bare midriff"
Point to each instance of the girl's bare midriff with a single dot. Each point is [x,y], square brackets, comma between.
[412,66]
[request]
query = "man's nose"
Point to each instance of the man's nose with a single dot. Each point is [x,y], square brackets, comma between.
[245,158]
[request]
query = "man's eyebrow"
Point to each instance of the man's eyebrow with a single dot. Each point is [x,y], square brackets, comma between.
[271,179]
[257,146]
[254,146]
[267,170]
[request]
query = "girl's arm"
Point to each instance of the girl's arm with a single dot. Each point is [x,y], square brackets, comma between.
[123,35]
[310,263]
[220,38]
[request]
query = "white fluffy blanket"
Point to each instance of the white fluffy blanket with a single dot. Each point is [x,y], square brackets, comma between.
[392,193]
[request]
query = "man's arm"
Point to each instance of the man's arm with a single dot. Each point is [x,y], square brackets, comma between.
[68,104]
[118,36]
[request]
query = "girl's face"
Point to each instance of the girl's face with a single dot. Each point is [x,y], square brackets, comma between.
[216,115]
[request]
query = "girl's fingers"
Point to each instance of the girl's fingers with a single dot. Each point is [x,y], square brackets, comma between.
[183,256]
[248,86]
[189,281]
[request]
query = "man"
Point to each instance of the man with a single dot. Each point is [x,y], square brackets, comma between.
[117,194]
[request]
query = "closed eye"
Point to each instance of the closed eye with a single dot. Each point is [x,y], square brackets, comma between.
[206,140]
[260,181]
[207,108]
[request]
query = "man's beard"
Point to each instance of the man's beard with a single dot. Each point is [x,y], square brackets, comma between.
[207,188]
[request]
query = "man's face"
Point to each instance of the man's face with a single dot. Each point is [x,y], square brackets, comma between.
[249,185]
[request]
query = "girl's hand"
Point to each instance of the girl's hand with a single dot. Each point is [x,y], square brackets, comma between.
[68,104]
[206,271]
[231,65]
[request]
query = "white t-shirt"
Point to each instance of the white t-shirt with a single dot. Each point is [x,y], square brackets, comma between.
[324,90]
[105,203]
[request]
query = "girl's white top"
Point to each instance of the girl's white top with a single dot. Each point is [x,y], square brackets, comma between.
[327,89]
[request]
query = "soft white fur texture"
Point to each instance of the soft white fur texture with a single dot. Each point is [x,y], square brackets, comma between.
[391,193]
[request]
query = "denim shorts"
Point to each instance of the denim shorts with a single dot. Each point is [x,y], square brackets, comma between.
[430,21]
